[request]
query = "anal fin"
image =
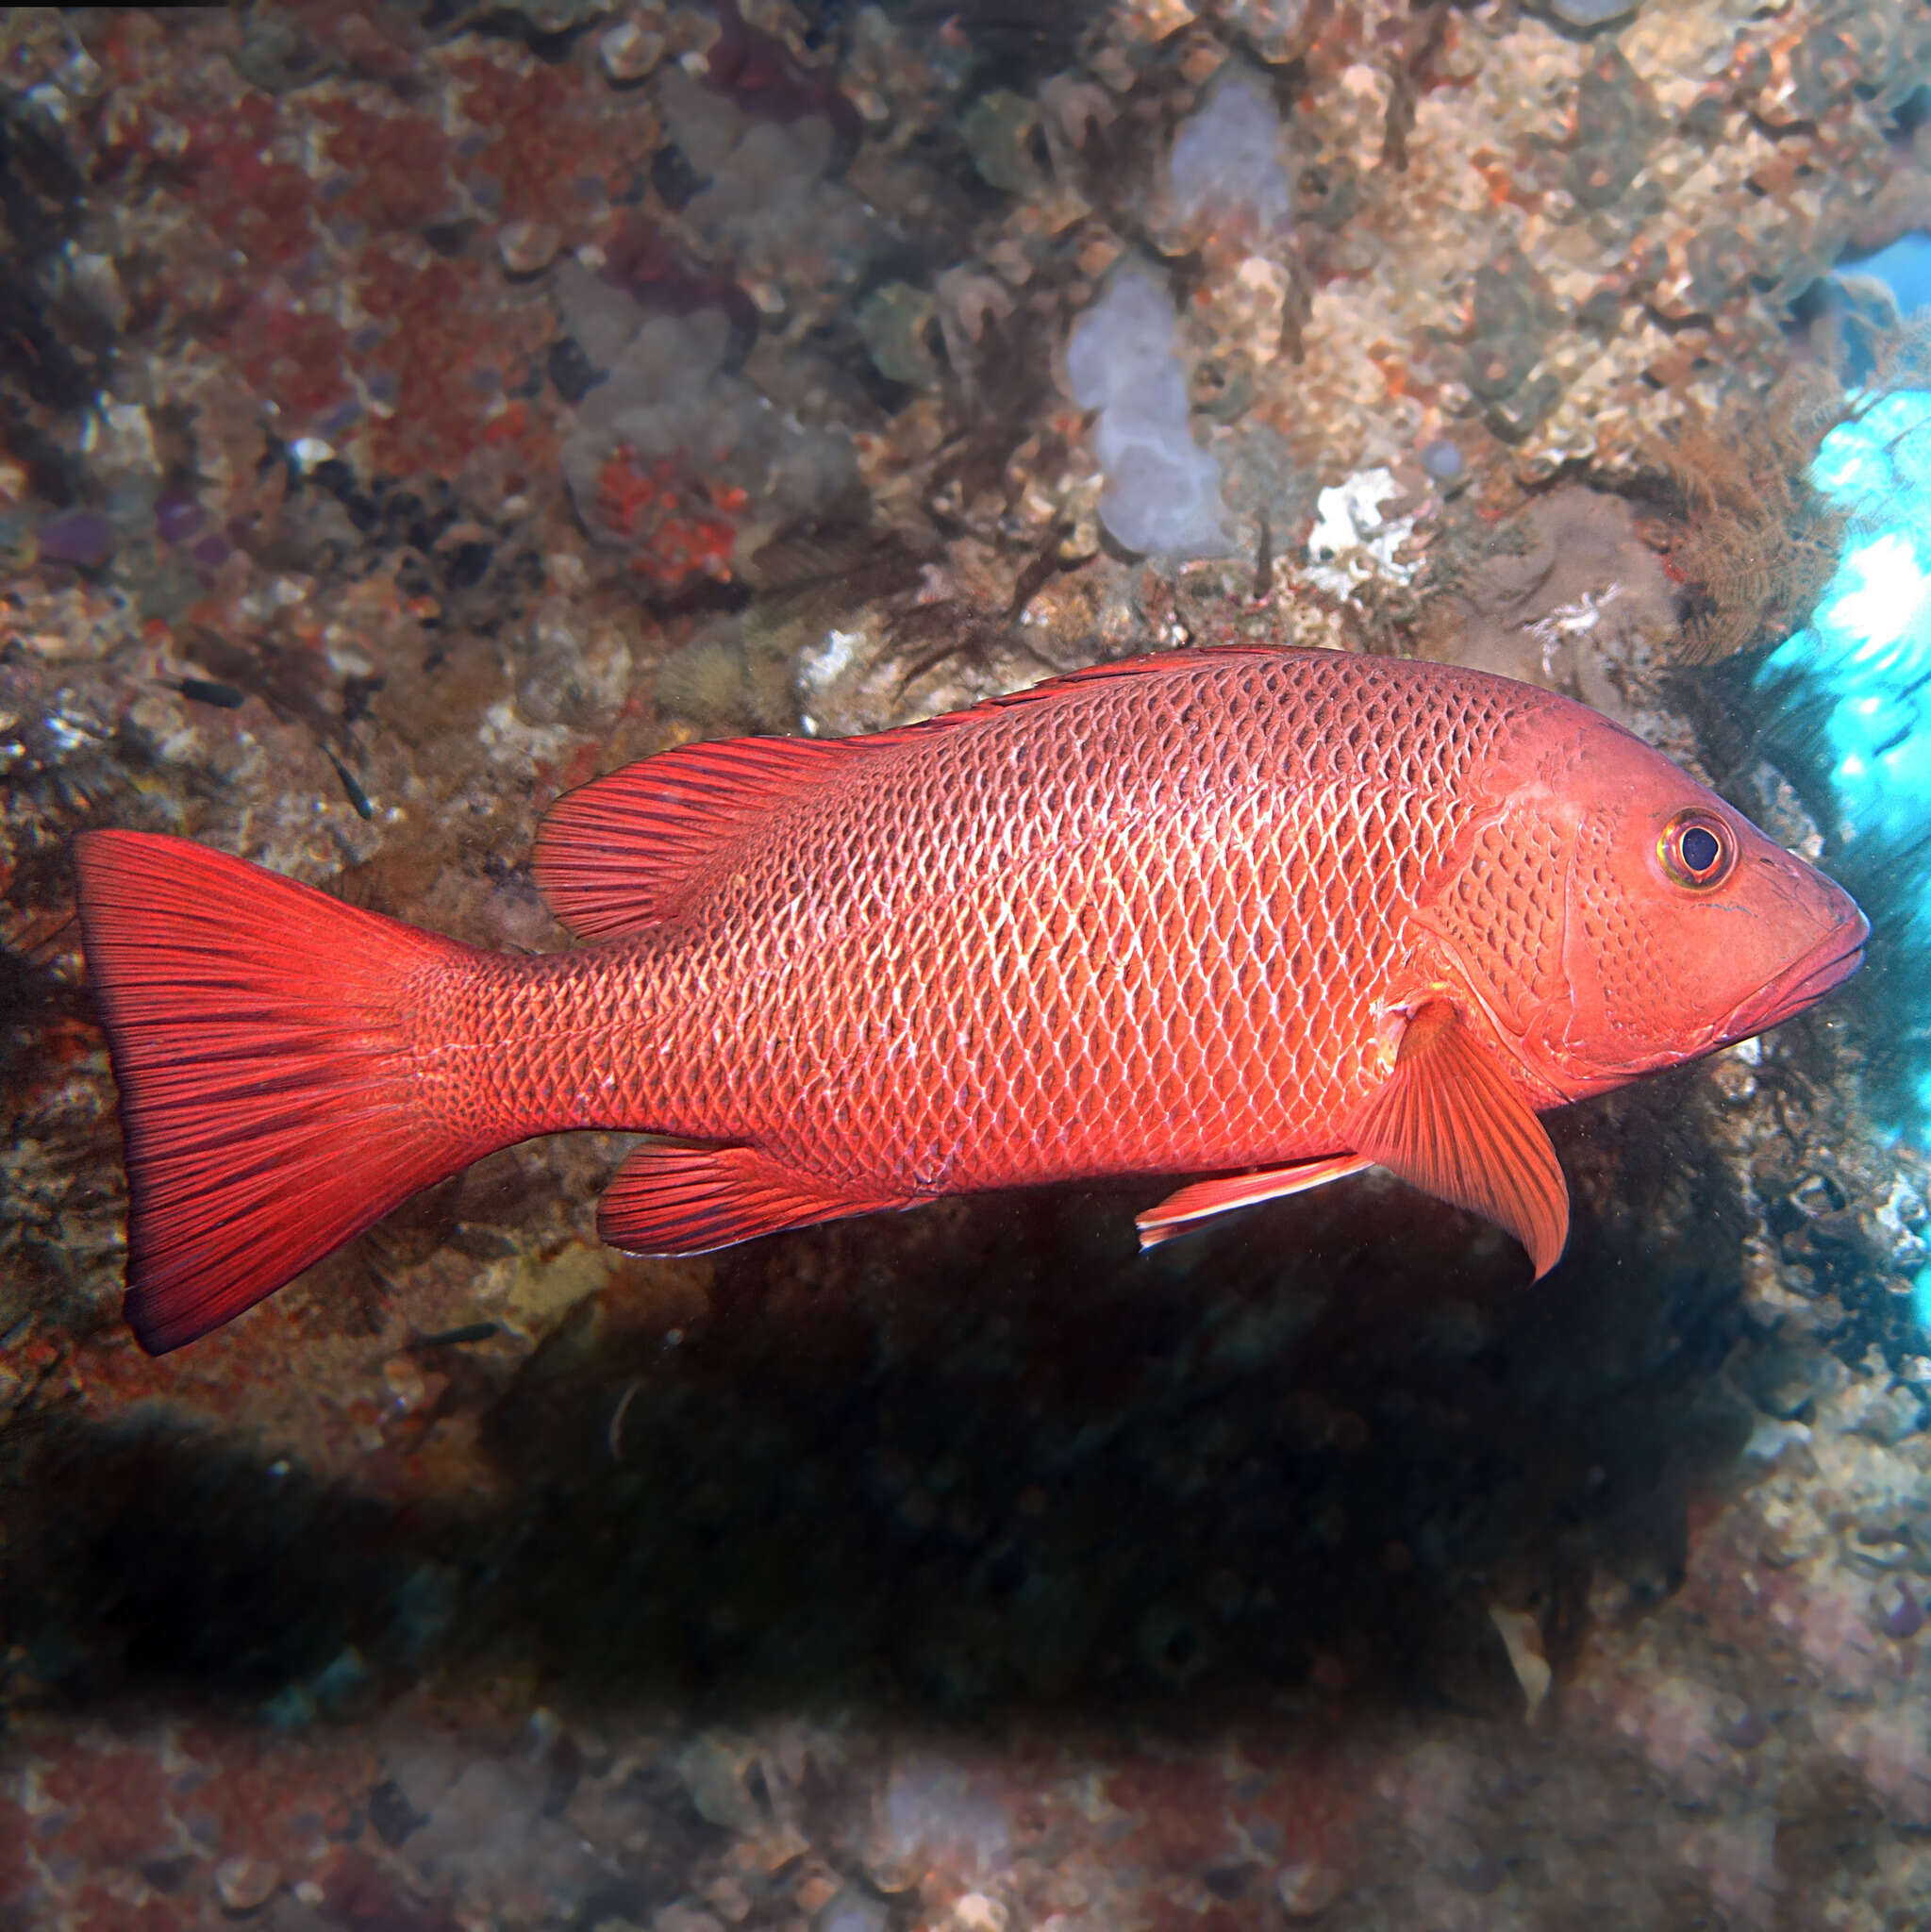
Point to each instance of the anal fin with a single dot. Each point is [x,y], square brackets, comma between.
[1448,1121]
[671,1198]
[1187,1207]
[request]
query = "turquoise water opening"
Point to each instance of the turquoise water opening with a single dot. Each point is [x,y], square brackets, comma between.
[1856,680]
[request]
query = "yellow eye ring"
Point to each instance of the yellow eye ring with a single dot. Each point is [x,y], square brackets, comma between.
[1698,849]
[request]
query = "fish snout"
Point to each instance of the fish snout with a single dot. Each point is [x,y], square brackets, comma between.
[1821,967]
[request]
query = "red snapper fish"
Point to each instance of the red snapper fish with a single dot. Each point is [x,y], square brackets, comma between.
[1267,915]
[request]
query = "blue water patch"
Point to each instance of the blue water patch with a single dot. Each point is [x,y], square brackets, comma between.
[1860,670]
[1867,644]
[1903,268]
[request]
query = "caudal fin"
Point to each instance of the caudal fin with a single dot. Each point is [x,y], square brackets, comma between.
[267,1108]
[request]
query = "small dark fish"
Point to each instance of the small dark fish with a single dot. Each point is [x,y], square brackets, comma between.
[455,1338]
[1263,560]
[205,690]
[285,682]
[353,791]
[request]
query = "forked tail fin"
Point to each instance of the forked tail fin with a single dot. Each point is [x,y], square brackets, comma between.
[267,1105]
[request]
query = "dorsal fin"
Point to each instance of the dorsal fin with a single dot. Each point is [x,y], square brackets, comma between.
[621,853]
[618,854]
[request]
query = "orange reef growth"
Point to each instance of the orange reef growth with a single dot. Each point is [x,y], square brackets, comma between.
[677,528]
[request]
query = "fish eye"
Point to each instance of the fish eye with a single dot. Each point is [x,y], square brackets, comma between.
[1697,849]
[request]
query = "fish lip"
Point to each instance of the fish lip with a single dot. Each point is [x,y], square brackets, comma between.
[1803,982]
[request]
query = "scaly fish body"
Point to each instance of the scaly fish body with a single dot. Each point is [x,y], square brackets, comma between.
[1149,924]
[1236,909]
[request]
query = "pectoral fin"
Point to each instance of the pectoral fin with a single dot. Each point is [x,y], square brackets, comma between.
[1182,1210]
[1447,1119]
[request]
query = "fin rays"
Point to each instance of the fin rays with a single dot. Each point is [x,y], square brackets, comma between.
[1447,1120]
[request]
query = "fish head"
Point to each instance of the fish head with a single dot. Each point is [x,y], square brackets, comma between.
[1682,927]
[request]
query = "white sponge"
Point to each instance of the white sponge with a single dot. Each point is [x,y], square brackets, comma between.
[1226,161]
[1163,491]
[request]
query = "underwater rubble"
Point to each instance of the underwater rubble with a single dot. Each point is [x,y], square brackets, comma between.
[408,411]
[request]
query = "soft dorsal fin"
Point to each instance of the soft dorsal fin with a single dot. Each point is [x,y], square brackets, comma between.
[1447,1119]
[621,853]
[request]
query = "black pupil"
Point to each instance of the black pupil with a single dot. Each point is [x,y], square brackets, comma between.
[1700,849]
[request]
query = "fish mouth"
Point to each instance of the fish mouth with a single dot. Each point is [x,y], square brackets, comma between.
[1805,981]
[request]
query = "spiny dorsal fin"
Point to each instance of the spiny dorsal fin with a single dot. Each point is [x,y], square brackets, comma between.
[622,853]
